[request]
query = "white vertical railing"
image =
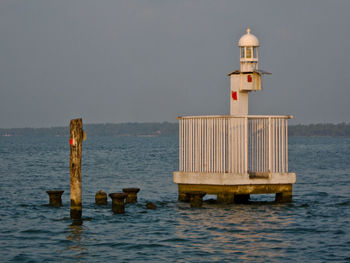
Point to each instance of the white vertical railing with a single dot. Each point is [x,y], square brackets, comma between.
[259,144]
[268,144]
[233,144]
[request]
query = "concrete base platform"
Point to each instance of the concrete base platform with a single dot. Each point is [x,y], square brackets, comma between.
[238,193]
[236,188]
[233,179]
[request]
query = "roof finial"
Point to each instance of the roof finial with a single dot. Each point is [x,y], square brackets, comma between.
[248,30]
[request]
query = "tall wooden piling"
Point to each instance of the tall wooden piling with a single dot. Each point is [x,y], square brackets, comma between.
[75,141]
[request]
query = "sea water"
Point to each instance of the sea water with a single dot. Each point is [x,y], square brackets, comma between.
[314,227]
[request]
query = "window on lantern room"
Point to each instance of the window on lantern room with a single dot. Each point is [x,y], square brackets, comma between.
[255,52]
[242,52]
[249,52]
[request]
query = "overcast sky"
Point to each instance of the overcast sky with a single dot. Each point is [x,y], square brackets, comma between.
[152,60]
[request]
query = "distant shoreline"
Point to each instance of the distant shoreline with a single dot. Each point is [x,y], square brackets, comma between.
[154,129]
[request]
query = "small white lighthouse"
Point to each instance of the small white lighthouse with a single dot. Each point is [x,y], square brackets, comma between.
[248,45]
[233,156]
[248,78]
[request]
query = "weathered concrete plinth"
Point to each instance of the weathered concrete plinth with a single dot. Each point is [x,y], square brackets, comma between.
[237,193]
[118,204]
[196,198]
[225,198]
[55,197]
[284,197]
[183,197]
[131,194]
[101,198]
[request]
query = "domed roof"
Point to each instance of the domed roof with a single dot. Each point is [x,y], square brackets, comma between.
[248,40]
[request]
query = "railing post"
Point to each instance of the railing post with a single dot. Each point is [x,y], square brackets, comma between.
[270,146]
[286,145]
[180,146]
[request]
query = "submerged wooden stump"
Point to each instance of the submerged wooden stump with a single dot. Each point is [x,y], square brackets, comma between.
[118,205]
[101,198]
[151,206]
[55,197]
[131,194]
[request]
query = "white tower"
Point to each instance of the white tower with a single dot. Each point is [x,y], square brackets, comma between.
[246,79]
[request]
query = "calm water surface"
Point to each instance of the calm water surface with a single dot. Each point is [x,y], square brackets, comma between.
[315,227]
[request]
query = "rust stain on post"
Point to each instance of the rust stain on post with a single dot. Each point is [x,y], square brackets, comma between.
[75,141]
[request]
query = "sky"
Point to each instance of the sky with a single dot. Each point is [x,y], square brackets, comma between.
[111,61]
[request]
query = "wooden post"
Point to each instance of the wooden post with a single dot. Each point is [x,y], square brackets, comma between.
[75,141]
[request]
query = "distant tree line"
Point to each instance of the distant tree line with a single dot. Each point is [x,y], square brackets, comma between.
[326,129]
[167,129]
[107,129]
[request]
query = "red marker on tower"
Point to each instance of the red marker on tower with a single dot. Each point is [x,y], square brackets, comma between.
[234,95]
